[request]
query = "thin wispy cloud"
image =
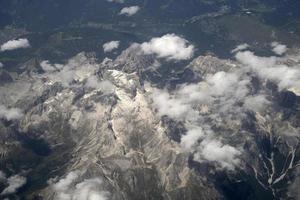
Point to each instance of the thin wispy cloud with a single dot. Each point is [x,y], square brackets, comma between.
[278,48]
[71,188]
[21,43]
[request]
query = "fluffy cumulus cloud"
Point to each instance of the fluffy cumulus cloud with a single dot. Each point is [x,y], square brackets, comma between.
[129,11]
[14,183]
[64,183]
[169,46]
[69,188]
[10,113]
[89,190]
[278,48]
[240,47]
[15,44]
[271,68]
[66,76]
[110,46]
[221,82]
[212,150]
[79,71]
[293,189]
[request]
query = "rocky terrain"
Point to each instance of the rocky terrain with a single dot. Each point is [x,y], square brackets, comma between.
[90,129]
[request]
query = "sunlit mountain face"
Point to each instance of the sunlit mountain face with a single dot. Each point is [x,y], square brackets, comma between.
[149,99]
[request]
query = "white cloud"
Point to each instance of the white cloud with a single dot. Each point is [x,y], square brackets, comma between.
[170,46]
[92,82]
[2,176]
[116,1]
[240,47]
[65,76]
[191,137]
[256,103]
[89,190]
[105,86]
[10,113]
[293,189]
[69,188]
[212,150]
[248,58]
[14,183]
[286,77]
[1,65]
[198,92]
[15,44]
[129,11]
[221,86]
[278,48]
[221,93]
[75,71]
[110,46]
[47,67]
[222,98]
